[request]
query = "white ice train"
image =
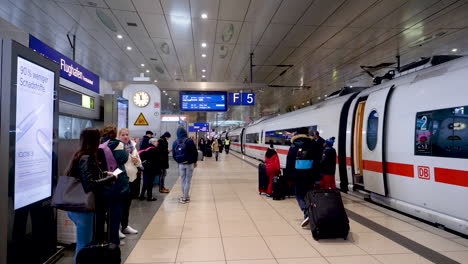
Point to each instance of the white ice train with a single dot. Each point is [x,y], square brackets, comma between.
[405,141]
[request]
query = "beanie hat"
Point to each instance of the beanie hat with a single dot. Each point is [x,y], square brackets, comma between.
[166,134]
[149,132]
[330,141]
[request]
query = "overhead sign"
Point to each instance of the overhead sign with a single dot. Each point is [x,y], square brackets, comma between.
[203,101]
[141,120]
[69,69]
[171,118]
[199,127]
[34,128]
[242,98]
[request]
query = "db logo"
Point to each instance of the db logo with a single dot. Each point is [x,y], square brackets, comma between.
[424,172]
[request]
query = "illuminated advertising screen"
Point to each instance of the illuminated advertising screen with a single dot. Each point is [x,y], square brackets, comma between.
[34,133]
[203,101]
[122,113]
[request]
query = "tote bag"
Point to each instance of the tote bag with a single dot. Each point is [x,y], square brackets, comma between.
[70,196]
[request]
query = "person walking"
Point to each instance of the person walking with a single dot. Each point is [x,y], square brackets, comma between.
[221,145]
[215,147]
[185,154]
[151,160]
[84,166]
[273,168]
[116,195]
[227,145]
[144,144]
[301,144]
[163,146]
[131,167]
[328,165]
[202,146]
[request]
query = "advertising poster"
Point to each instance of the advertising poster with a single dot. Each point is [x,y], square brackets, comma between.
[34,128]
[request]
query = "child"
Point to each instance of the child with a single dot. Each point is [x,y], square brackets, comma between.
[272,167]
[328,165]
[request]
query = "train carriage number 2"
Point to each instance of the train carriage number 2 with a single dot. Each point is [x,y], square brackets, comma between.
[424,172]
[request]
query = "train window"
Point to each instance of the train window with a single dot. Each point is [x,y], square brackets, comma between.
[234,138]
[442,133]
[283,136]
[372,129]
[252,138]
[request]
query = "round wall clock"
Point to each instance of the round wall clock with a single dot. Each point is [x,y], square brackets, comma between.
[141,99]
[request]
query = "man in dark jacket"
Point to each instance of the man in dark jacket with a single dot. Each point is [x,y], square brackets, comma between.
[164,151]
[303,178]
[145,141]
[317,151]
[151,160]
[328,165]
[185,153]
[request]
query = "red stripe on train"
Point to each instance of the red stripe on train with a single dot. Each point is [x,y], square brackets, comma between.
[401,169]
[449,176]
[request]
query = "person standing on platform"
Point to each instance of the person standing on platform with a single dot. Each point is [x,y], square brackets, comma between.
[185,154]
[227,145]
[317,151]
[304,180]
[118,191]
[215,147]
[84,166]
[144,144]
[132,167]
[151,160]
[202,146]
[164,149]
[273,167]
[328,165]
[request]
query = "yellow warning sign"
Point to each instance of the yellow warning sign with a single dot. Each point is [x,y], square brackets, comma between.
[141,120]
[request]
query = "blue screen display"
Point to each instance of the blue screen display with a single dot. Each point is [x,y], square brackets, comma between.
[203,101]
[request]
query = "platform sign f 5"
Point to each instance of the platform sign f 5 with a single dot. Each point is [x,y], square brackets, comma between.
[235,99]
[248,99]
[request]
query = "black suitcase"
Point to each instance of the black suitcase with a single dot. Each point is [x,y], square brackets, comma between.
[327,214]
[98,253]
[279,188]
[263,180]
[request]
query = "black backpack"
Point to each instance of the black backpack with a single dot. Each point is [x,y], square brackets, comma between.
[180,151]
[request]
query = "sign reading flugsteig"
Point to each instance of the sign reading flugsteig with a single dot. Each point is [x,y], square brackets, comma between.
[69,69]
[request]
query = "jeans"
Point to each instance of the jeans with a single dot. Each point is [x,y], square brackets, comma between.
[185,172]
[162,178]
[84,229]
[303,183]
[216,155]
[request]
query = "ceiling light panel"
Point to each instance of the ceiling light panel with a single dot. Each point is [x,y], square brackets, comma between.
[121,5]
[209,7]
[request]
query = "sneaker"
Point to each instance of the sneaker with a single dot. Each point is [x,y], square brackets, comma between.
[122,243]
[164,190]
[130,230]
[305,222]
[151,199]
[269,195]
[121,235]
[182,201]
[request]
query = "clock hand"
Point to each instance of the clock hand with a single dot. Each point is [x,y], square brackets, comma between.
[141,98]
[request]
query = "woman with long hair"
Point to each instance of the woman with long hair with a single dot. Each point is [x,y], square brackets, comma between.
[84,166]
[132,166]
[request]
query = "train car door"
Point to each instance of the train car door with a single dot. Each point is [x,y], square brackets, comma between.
[242,141]
[368,147]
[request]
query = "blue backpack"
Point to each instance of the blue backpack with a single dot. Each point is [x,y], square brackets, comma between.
[303,159]
[180,151]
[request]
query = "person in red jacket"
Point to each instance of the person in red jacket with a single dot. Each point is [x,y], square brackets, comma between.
[272,167]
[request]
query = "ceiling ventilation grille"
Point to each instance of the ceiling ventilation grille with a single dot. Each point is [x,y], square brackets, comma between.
[131,24]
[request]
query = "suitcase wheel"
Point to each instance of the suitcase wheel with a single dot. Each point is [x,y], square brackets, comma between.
[315,235]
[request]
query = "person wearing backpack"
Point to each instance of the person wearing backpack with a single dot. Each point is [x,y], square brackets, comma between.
[151,160]
[328,165]
[299,163]
[185,154]
[112,155]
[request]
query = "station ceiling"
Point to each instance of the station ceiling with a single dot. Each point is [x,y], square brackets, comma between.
[326,41]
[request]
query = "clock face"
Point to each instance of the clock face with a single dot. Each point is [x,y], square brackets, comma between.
[141,99]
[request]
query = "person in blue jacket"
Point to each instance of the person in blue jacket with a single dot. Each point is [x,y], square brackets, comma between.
[185,154]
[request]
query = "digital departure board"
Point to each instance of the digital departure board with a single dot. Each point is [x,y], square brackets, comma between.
[203,101]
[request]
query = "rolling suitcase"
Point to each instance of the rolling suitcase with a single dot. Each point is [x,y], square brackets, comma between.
[327,214]
[279,188]
[263,180]
[100,252]
[200,155]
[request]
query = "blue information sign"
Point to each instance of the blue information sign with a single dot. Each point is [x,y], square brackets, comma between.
[200,127]
[241,98]
[69,69]
[203,101]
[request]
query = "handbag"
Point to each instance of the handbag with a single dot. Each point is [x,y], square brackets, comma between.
[70,196]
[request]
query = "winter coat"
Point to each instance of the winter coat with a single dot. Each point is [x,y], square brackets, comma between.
[121,186]
[130,167]
[272,165]
[328,162]
[215,146]
[151,159]
[91,177]
[191,152]
[145,143]
[317,149]
[163,147]
[297,142]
